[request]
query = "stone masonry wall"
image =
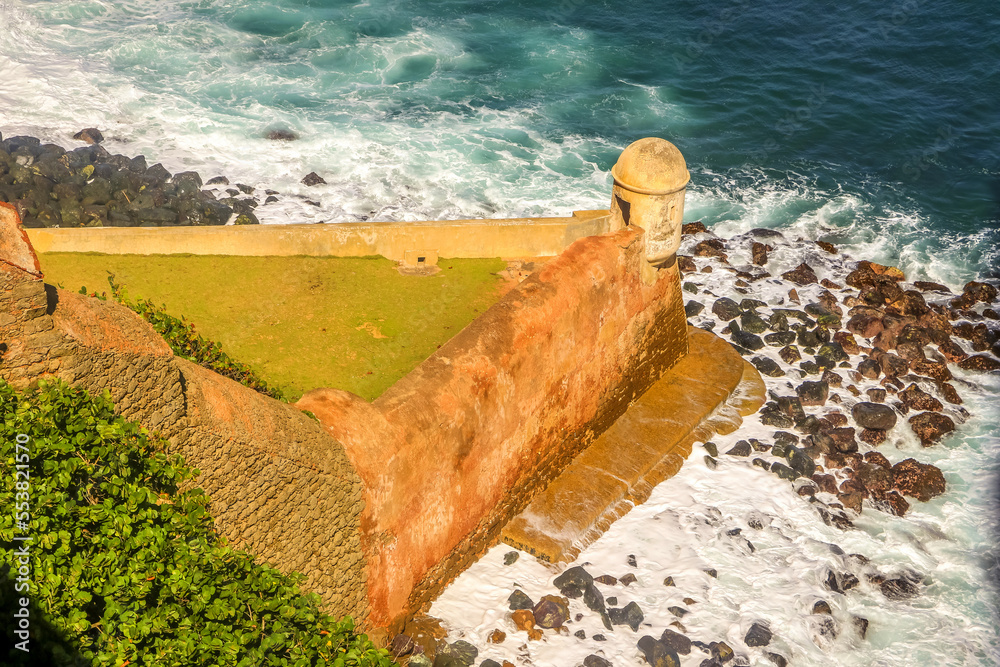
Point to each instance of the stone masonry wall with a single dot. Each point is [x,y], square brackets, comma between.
[280,486]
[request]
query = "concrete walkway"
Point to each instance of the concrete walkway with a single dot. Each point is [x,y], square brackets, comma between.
[707,392]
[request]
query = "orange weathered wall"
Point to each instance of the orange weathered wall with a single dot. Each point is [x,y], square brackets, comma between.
[453,450]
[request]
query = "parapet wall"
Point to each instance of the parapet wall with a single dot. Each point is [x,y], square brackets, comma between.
[456,448]
[507,238]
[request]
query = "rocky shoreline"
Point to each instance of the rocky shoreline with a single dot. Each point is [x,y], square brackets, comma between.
[854,357]
[89,187]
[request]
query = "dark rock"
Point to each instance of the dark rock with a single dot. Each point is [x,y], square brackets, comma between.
[746,340]
[893,365]
[156,216]
[801,275]
[686,264]
[593,660]
[271,199]
[876,395]
[725,309]
[218,180]
[676,642]
[573,582]
[918,480]
[312,178]
[631,561]
[679,612]
[711,248]
[869,368]
[741,448]
[872,436]
[668,581]
[899,589]
[657,654]
[752,322]
[693,308]
[511,557]
[980,362]
[721,651]
[401,645]
[826,483]
[91,135]
[983,292]
[874,416]
[833,351]
[800,462]
[460,654]
[711,448]
[630,615]
[761,463]
[932,369]
[281,134]
[550,612]
[489,662]
[915,398]
[783,471]
[518,600]
[593,598]
[768,367]
[780,338]
[926,286]
[627,579]
[758,252]
[931,427]
[778,322]
[778,659]
[157,173]
[697,227]
[790,354]
[813,393]
[599,638]
[758,635]
[613,601]
[246,218]
[580,634]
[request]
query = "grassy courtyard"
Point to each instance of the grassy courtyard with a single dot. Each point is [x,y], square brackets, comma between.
[302,322]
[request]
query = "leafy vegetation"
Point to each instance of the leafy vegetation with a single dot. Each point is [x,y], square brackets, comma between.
[127,570]
[188,344]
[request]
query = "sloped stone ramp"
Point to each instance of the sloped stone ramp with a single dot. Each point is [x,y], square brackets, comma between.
[709,391]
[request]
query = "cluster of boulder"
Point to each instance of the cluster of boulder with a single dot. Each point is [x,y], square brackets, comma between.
[90,187]
[902,345]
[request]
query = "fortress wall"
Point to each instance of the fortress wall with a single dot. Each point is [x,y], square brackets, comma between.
[507,238]
[280,486]
[456,448]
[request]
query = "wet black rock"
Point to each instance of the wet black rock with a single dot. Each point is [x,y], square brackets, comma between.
[281,134]
[511,557]
[767,366]
[518,600]
[752,322]
[780,338]
[312,178]
[489,662]
[593,660]
[458,654]
[861,624]
[813,393]
[218,180]
[573,582]
[711,448]
[746,339]
[401,645]
[800,462]
[580,634]
[900,588]
[676,642]
[783,471]
[874,416]
[758,635]
[593,598]
[741,448]
[778,659]
[693,308]
[726,309]
[91,135]
[630,615]
[658,654]
[721,651]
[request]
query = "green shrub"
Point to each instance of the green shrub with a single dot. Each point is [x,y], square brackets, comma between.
[127,570]
[188,344]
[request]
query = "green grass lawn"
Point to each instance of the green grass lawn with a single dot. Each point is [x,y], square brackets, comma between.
[302,322]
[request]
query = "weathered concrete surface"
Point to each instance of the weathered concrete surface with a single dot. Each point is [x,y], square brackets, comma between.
[280,486]
[706,392]
[507,238]
[456,448]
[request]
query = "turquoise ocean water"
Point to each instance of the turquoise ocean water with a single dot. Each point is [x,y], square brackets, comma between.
[873,124]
